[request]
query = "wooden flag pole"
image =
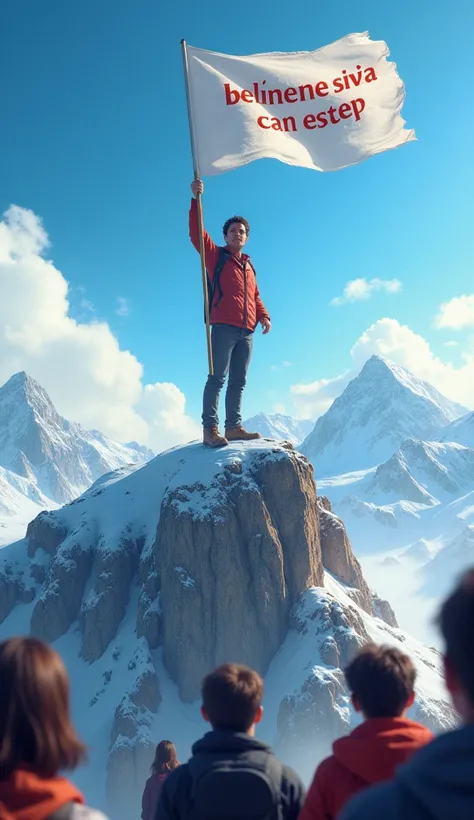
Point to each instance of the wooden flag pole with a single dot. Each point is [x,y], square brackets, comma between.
[202,249]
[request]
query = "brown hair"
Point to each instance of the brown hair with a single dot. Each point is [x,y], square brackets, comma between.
[231,696]
[381,679]
[35,726]
[166,758]
[231,221]
[456,621]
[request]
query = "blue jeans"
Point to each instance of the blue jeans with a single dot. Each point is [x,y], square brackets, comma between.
[231,351]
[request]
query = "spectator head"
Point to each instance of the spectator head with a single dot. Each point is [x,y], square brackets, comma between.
[456,621]
[166,758]
[381,680]
[35,725]
[232,698]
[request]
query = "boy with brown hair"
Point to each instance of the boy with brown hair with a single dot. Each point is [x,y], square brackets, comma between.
[231,774]
[439,782]
[381,680]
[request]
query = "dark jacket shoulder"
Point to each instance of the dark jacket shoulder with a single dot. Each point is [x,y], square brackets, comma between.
[378,801]
[176,794]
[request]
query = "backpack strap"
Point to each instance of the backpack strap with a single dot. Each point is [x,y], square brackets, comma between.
[215,284]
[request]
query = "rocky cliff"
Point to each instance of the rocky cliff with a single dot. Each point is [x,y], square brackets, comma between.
[197,558]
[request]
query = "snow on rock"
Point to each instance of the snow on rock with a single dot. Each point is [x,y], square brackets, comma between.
[380,408]
[279,427]
[338,557]
[56,458]
[131,744]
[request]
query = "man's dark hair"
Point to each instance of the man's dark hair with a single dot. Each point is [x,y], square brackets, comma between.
[456,621]
[231,221]
[381,679]
[231,696]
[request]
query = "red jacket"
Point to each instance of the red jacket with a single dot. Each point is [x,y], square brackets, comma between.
[27,796]
[240,304]
[370,754]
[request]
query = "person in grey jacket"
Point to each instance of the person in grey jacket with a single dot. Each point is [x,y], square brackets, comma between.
[438,784]
[37,739]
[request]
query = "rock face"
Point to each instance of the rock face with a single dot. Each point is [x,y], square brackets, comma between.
[383,610]
[247,544]
[337,553]
[339,559]
[318,712]
[131,746]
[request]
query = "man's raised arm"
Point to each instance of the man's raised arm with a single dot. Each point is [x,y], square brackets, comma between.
[211,249]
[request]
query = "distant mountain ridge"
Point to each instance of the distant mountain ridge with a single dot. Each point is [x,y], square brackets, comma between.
[461,431]
[378,410]
[58,458]
[280,427]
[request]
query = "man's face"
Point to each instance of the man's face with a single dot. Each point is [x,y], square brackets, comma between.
[236,236]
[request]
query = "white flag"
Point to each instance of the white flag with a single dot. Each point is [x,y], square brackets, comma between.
[323,109]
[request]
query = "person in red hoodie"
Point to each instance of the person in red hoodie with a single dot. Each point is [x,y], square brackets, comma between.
[165,761]
[381,680]
[37,739]
[235,310]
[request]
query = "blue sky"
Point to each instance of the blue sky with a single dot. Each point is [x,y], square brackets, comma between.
[95,142]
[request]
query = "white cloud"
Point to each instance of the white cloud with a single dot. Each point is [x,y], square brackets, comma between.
[123,306]
[89,377]
[313,399]
[457,313]
[451,343]
[281,365]
[163,407]
[357,290]
[400,344]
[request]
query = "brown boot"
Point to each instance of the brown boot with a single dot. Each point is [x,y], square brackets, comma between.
[239,434]
[212,438]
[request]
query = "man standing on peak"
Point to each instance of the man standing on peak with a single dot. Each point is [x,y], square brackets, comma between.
[235,309]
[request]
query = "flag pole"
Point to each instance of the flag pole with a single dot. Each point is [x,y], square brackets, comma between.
[200,216]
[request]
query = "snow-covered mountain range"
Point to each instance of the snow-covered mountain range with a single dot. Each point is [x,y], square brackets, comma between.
[46,460]
[126,581]
[279,427]
[396,459]
[380,408]
[461,431]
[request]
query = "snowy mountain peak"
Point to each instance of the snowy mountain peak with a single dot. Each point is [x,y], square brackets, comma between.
[384,405]
[379,368]
[280,427]
[57,457]
[21,390]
